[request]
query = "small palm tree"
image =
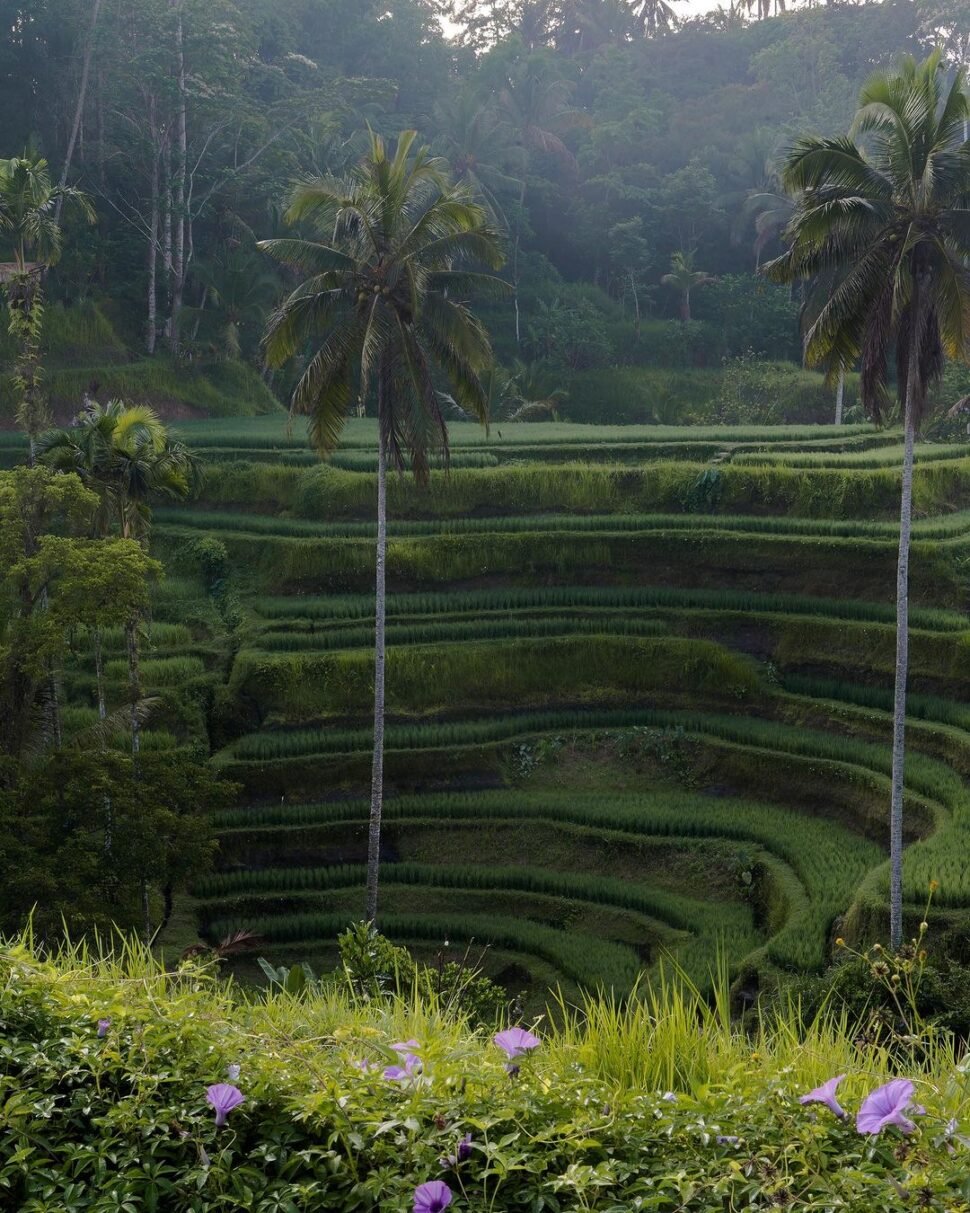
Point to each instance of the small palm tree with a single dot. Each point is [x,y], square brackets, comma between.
[124,454]
[382,302]
[684,278]
[30,206]
[893,223]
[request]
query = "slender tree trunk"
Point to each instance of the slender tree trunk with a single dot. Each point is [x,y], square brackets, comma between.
[181,157]
[79,108]
[636,303]
[840,397]
[902,647]
[99,671]
[380,609]
[134,682]
[146,911]
[167,233]
[152,333]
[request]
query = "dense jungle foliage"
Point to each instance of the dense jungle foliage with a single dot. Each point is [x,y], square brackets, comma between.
[630,152]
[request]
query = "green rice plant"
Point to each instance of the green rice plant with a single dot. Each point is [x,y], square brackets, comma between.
[919,707]
[585,959]
[518,599]
[276,430]
[890,456]
[710,558]
[159,671]
[676,911]
[826,860]
[156,636]
[362,636]
[424,679]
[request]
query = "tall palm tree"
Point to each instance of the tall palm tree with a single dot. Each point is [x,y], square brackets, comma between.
[684,278]
[30,209]
[892,219]
[382,303]
[125,454]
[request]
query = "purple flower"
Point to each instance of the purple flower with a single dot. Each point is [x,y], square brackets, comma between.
[462,1153]
[103,1026]
[826,1094]
[223,1097]
[669,1097]
[407,1046]
[364,1065]
[724,1140]
[886,1106]
[233,1072]
[432,1197]
[516,1041]
[411,1067]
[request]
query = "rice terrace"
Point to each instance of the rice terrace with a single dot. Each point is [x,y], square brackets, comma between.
[484,636]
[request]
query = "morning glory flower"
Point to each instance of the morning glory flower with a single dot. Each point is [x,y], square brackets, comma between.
[516,1041]
[103,1026]
[411,1067]
[233,1072]
[669,1097]
[826,1094]
[432,1197]
[407,1046]
[364,1065]
[724,1139]
[462,1153]
[223,1097]
[886,1106]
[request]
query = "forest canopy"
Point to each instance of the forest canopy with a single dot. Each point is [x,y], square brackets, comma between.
[626,150]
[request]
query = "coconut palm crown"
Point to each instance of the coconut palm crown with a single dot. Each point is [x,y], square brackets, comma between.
[883,225]
[892,219]
[383,299]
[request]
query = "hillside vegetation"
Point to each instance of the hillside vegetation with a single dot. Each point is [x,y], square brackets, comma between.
[613,734]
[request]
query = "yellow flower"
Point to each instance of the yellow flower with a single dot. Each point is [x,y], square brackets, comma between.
[934,885]
[840,942]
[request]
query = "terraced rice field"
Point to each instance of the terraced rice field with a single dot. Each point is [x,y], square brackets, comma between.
[639,685]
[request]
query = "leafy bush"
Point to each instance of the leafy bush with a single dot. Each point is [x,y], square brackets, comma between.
[659,1103]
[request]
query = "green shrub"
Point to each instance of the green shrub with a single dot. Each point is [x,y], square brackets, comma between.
[655,1099]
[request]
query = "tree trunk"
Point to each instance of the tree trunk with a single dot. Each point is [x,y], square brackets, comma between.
[147,912]
[636,303]
[152,333]
[167,233]
[99,672]
[902,647]
[79,108]
[181,156]
[685,308]
[380,609]
[134,682]
[840,396]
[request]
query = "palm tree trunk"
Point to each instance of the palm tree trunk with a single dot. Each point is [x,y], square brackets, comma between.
[840,396]
[902,663]
[380,611]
